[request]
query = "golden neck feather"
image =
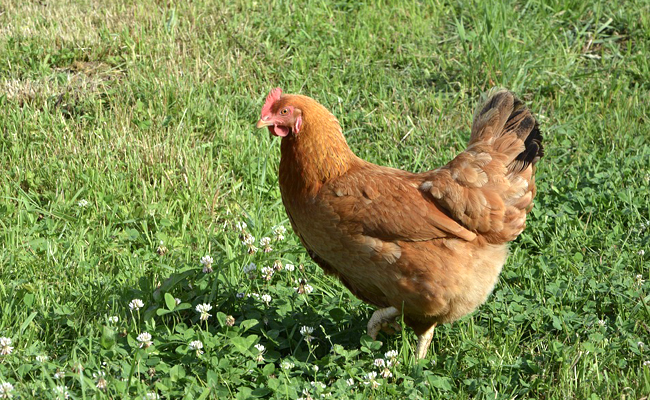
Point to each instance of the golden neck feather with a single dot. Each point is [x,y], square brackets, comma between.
[318,153]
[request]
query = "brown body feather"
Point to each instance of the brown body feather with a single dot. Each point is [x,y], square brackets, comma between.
[431,244]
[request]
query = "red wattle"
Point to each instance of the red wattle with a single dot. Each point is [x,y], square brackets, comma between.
[281,131]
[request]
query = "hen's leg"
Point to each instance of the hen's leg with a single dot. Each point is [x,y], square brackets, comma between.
[424,341]
[381,319]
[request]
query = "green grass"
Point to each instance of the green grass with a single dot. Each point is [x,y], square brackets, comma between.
[145,111]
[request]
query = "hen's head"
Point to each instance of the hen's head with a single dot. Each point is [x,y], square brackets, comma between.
[280,115]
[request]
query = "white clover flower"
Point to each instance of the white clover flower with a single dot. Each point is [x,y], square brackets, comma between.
[261,349]
[197,346]
[207,261]
[230,320]
[267,270]
[646,363]
[136,304]
[602,322]
[306,331]
[161,249]
[203,309]
[101,384]
[248,239]
[113,319]
[265,242]
[267,273]
[266,298]
[370,379]
[640,344]
[290,267]
[145,340]
[386,373]
[391,354]
[315,368]
[279,232]
[5,346]
[101,380]
[277,265]
[5,390]
[303,287]
[641,252]
[59,375]
[62,391]
[42,358]
[83,203]
[380,362]
[288,365]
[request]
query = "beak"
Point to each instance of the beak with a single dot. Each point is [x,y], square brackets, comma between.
[261,123]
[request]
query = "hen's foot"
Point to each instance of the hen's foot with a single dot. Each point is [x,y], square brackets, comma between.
[383,319]
[424,341]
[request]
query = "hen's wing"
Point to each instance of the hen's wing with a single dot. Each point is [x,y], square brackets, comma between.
[387,204]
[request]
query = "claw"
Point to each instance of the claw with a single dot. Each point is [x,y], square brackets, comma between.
[381,319]
[391,327]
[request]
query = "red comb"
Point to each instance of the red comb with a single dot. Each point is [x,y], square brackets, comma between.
[270,99]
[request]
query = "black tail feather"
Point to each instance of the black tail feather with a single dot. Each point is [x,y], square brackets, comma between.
[503,113]
[534,149]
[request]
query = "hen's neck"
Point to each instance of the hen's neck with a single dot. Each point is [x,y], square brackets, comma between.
[316,155]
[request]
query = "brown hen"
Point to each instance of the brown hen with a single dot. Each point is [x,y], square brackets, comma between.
[426,245]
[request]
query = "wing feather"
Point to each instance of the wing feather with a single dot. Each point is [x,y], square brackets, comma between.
[387,204]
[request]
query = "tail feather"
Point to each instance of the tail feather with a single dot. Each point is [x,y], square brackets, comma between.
[503,115]
[489,188]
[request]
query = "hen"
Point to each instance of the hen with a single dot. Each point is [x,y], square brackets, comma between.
[426,245]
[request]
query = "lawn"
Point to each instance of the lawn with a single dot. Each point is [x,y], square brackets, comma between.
[136,197]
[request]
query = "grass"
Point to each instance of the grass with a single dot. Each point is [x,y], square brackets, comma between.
[128,153]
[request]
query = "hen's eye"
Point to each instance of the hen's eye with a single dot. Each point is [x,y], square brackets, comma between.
[284,111]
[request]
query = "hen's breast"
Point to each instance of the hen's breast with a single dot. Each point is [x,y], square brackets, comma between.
[341,250]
